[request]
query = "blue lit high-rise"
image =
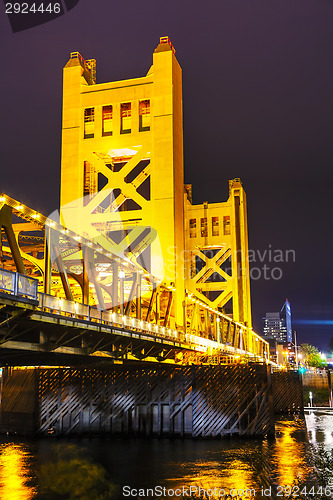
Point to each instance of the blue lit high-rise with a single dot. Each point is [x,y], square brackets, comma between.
[285,316]
[277,325]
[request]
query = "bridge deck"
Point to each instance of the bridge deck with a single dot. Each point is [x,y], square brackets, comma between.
[44,323]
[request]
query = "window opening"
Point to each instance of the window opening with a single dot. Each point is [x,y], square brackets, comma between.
[107,121]
[144,115]
[89,123]
[126,118]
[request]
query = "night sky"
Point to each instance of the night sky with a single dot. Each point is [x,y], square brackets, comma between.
[257,91]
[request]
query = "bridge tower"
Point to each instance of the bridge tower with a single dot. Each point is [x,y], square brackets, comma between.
[122,173]
[122,164]
[217,268]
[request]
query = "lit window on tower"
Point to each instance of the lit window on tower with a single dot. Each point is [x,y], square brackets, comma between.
[204,228]
[193,228]
[89,123]
[106,120]
[226,224]
[144,115]
[126,118]
[215,226]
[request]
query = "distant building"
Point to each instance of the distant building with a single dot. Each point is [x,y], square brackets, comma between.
[277,325]
[285,315]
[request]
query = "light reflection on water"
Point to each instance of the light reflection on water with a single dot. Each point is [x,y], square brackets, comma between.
[289,453]
[244,464]
[15,472]
[320,428]
[140,463]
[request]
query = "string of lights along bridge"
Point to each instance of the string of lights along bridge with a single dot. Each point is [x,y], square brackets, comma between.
[128,268]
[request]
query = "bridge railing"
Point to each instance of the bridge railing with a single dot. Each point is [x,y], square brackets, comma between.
[102,316]
[134,325]
[18,284]
[24,286]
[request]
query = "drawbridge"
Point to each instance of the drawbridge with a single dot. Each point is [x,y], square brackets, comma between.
[129,268]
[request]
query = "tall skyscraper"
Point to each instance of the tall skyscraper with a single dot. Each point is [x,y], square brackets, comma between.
[277,325]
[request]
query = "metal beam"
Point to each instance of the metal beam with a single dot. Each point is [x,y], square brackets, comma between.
[151,303]
[62,272]
[168,309]
[132,294]
[88,257]
[6,214]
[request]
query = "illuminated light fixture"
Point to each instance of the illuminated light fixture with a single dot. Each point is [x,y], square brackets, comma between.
[2,198]
[19,207]
[121,274]
[119,153]
[218,320]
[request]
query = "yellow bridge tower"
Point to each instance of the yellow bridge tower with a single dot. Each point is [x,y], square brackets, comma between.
[122,162]
[122,175]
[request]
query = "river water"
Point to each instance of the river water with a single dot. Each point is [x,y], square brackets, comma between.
[176,465]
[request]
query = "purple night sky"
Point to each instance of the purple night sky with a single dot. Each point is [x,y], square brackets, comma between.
[257,90]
